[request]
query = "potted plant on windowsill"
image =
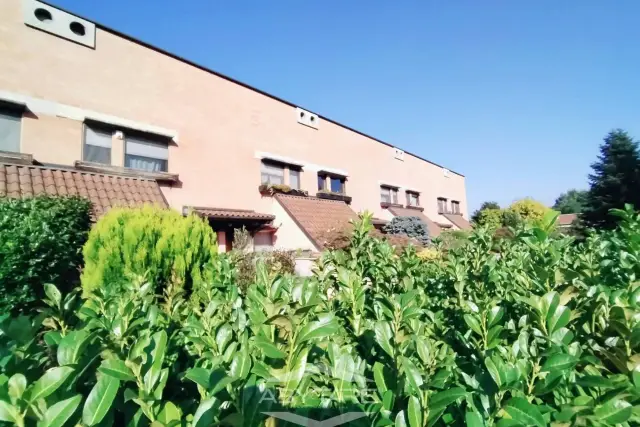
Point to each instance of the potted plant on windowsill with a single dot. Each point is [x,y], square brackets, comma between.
[330,195]
[271,189]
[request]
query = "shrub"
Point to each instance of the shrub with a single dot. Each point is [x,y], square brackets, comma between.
[527,210]
[542,331]
[409,226]
[491,218]
[276,262]
[40,242]
[160,245]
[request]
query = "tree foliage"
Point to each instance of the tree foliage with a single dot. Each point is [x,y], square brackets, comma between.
[410,226]
[477,215]
[570,202]
[525,210]
[532,331]
[614,181]
[159,245]
[491,218]
[40,242]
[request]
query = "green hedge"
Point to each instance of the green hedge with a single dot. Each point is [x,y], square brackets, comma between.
[40,242]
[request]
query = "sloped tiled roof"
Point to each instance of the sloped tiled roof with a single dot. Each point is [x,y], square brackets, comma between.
[565,220]
[104,191]
[458,221]
[434,229]
[230,213]
[315,216]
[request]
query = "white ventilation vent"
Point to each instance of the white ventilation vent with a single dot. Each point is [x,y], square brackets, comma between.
[445,172]
[398,154]
[306,118]
[55,21]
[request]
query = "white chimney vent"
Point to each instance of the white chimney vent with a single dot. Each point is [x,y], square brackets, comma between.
[307,118]
[398,154]
[55,21]
[445,172]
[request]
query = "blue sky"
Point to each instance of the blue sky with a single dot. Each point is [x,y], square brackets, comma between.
[516,95]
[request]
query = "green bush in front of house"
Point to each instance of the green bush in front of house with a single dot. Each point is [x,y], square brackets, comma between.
[160,246]
[40,242]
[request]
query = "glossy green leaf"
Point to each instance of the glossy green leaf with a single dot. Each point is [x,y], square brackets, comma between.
[49,382]
[58,414]
[414,412]
[559,362]
[240,365]
[100,400]
[8,412]
[412,374]
[520,410]
[443,399]
[615,411]
[473,322]
[400,420]
[206,412]
[17,385]
[268,348]
[117,369]
[200,376]
[474,419]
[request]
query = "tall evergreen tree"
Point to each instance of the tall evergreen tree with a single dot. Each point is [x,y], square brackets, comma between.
[614,180]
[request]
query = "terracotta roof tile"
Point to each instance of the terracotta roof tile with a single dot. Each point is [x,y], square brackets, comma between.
[316,216]
[434,229]
[230,213]
[563,219]
[458,221]
[104,191]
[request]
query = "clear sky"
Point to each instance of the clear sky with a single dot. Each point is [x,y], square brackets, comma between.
[514,94]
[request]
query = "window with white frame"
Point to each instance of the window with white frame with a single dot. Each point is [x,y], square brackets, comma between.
[146,152]
[413,198]
[455,207]
[97,144]
[271,173]
[10,124]
[388,194]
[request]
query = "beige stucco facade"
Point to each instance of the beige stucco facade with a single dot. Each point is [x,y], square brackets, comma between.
[221,129]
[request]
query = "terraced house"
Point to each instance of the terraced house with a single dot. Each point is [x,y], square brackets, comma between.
[87,110]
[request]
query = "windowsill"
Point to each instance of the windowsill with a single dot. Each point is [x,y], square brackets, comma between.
[327,195]
[417,208]
[271,189]
[391,205]
[16,158]
[119,170]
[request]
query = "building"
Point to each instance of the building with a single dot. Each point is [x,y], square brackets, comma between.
[79,98]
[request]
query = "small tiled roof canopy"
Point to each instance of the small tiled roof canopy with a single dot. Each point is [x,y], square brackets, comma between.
[565,220]
[104,191]
[458,221]
[434,229]
[238,214]
[316,217]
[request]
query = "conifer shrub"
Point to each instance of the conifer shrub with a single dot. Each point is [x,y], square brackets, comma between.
[40,242]
[159,245]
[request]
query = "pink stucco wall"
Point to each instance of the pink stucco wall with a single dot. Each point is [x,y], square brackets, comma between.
[220,125]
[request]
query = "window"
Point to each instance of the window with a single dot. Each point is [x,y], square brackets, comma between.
[10,130]
[97,144]
[413,198]
[442,205]
[146,153]
[272,173]
[389,195]
[455,207]
[294,178]
[336,183]
[262,242]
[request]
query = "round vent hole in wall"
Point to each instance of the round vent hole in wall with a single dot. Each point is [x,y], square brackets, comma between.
[77,28]
[301,114]
[42,15]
